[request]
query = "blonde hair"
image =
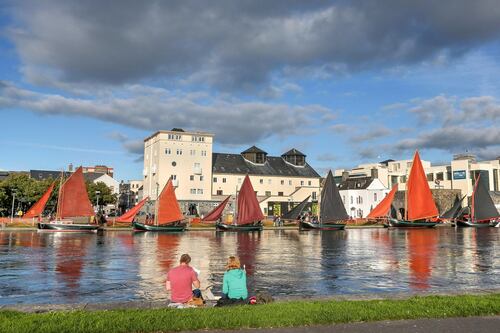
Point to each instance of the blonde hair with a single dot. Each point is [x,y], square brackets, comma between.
[233,263]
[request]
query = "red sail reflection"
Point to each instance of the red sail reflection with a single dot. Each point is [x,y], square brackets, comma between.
[421,251]
[248,242]
[166,250]
[71,251]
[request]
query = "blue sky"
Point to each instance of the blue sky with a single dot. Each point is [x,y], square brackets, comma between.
[84,83]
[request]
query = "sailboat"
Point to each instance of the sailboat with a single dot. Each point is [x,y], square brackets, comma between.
[452,213]
[384,209]
[332,211]
[483,212]
[72,203]
[168,215]
[129,216]
[216,213]
[38,207]
[249,215]
[294,213]
[420,206]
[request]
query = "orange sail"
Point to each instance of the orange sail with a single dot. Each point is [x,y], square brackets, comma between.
[420,204]
[73,197]
[248,207]
[130,215]
[383,208]
[216,213]
[168,207]
[39,206]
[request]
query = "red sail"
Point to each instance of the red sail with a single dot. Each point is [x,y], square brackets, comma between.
[216,213]
[73,197]
[39,206]
[420,204]
[383,208]
[168,207]
[248,206]
[130,215]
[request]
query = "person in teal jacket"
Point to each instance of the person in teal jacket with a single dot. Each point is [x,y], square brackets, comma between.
[234,284]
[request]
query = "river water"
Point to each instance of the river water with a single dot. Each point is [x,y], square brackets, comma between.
[125,266]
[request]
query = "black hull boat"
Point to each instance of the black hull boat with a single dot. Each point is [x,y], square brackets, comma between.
[244,227]
[466,224]
[321,226]
[159,228]
[67,226]
[394,223]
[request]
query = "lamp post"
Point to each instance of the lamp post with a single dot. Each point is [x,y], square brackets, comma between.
[12,209]
[97,195]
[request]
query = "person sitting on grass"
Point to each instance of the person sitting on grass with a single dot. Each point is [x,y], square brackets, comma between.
[234,283]
[180,281]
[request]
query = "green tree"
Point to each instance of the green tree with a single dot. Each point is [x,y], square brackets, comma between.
[106,196]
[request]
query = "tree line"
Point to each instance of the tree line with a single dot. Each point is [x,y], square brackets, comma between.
[28,190]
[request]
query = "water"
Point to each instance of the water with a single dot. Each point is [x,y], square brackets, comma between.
[123,266]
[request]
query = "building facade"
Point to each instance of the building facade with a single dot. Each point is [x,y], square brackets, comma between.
[361,194]
[203,178]
[460,174]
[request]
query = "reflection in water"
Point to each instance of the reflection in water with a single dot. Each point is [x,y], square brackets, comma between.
[123,266]
[421,252]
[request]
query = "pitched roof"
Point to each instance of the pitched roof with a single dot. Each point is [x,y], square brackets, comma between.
[92,176]
[274,166]
[359,183]
[293,152]
[45,174]
[253,149]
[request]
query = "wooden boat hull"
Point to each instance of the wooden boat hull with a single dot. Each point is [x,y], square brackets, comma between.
[393,223]
[321,226]
[230,227]
[159,228]
[68,227]
[465,224]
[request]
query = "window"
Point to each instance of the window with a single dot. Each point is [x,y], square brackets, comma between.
[174,137]
[268,193]
[168,151]
[192,152]
[179,151]
[261,181]
[269,181]
[219,192]
[215,179]
[203,153]
[223,180]
[199,191]
[198,138]
[282,182]
[440,176]
[280,194]
[374,196]
[201,178]
[239,180]
[301,183]
[313,195]
[192,191]
[309,183]
[430,177]
[403,179]
[191,177]
[352,200]
[343,198]
[289,182]
[197,165]
[360,199]
[174,177]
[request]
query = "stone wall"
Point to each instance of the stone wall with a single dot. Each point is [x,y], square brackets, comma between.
[444,199]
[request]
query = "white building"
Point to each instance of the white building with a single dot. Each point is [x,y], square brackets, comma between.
[360,195]
[459,174]
[95,178]
[202,177]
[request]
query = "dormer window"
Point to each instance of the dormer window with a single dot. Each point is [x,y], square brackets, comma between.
[255,155]
[295,157]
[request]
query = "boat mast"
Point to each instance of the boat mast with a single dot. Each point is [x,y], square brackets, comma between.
[155,222]
[59,197]
[473,194]
[235,220]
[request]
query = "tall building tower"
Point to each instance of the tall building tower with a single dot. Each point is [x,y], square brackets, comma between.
[184,156]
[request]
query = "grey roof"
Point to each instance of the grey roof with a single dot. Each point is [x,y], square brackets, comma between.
[92,176]
[293,152]
[274,166]
[359,183]
[45,174]
[253,149]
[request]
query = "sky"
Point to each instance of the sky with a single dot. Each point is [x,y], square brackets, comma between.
[345,82]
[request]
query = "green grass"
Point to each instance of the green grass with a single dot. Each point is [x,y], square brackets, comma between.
[282,314]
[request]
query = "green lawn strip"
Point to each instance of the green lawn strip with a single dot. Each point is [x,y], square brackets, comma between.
[281,314]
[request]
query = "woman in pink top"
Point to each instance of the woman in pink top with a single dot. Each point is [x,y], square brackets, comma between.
[180,281]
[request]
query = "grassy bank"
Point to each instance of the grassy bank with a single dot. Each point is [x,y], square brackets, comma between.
[284,314]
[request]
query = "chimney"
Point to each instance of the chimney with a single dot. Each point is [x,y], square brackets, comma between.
[70,167]
[374,173]
[345,175]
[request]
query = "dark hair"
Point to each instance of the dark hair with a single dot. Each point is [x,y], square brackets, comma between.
[185,258]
